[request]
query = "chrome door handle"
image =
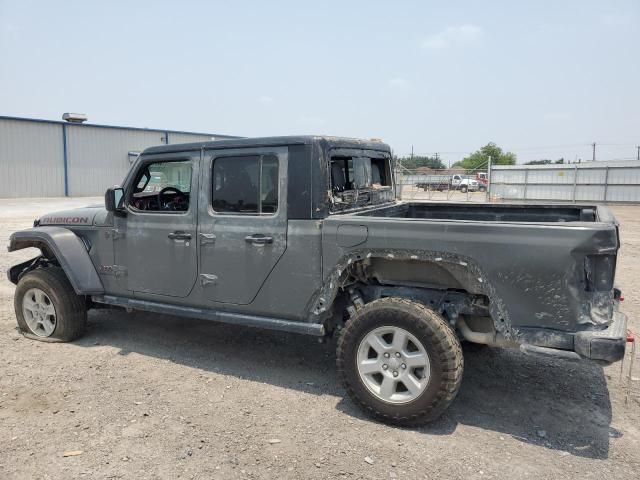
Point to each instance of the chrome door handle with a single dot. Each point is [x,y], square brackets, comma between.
[178,235]
[258,239]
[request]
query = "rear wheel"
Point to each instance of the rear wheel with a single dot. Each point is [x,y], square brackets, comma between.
[47,308]
[400,361]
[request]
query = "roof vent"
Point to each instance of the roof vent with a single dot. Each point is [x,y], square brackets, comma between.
[74,117]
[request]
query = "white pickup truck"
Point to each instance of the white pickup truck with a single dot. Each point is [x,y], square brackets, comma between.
[463,183]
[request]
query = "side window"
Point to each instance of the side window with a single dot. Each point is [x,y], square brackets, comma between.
[348,173]
[245,184]
[163,186]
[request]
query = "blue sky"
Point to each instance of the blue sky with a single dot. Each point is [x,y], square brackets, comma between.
[542,78]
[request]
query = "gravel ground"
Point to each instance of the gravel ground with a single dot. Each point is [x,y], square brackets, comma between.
[151,396]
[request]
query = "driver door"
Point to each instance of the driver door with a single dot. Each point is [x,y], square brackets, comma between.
[154,243]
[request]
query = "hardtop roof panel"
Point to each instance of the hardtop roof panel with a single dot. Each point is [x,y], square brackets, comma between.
[329,142]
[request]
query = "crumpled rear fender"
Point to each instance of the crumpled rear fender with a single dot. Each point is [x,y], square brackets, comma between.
[69,251]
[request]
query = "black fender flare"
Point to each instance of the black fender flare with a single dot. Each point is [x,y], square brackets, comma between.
[68,249]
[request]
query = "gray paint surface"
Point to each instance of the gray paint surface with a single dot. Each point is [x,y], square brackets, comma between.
[70,251]
[238,268]
[533,271]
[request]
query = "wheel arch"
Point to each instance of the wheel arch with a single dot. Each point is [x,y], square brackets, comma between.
[67,249]
[409,268]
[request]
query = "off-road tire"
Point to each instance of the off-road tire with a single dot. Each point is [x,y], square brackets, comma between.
[71,309]
[442,346]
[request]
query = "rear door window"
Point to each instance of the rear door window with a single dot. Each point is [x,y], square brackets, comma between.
[245,184]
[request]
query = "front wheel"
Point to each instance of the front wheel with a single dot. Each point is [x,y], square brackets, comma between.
[47,308]
[400,361]
[464,189]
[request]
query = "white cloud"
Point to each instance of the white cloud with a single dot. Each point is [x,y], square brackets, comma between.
[266,100]
[398,82]
[454,36]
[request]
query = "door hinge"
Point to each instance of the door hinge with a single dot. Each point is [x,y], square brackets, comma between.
[114,233]
[207,278]
[115,270]
[206,238]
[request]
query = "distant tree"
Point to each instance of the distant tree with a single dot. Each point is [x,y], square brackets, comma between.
[480,158]
[545,162]
[418,161]
[538,162]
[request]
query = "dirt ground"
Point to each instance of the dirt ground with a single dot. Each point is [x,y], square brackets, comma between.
[151,396]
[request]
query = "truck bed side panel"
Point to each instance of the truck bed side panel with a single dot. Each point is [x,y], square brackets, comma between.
[533,274]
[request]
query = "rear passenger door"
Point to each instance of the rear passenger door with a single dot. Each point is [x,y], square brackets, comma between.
[242,224]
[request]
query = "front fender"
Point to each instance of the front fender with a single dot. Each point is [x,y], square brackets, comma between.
[69,251]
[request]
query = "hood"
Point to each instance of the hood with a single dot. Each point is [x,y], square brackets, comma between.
[86,216]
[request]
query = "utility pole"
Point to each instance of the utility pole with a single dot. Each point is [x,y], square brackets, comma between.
[594,151]
[488,190]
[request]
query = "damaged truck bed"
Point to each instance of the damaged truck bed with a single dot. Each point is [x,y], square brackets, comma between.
[305,234]
[543,273]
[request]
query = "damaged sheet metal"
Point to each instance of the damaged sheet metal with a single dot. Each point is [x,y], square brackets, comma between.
[532,273]
[469,275]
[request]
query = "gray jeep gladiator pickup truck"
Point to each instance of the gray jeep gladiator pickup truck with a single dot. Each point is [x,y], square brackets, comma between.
[305,234]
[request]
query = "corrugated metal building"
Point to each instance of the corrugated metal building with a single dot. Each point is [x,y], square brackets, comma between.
[603,181]
[45,158]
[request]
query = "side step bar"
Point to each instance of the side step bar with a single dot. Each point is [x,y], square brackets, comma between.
[214,315]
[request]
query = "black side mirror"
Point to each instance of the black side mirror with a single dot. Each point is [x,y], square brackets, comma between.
[113,199]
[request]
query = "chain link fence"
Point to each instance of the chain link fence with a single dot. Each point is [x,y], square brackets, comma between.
[447,185]
[614,181]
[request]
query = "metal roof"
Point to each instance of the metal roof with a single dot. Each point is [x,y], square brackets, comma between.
[95,125]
